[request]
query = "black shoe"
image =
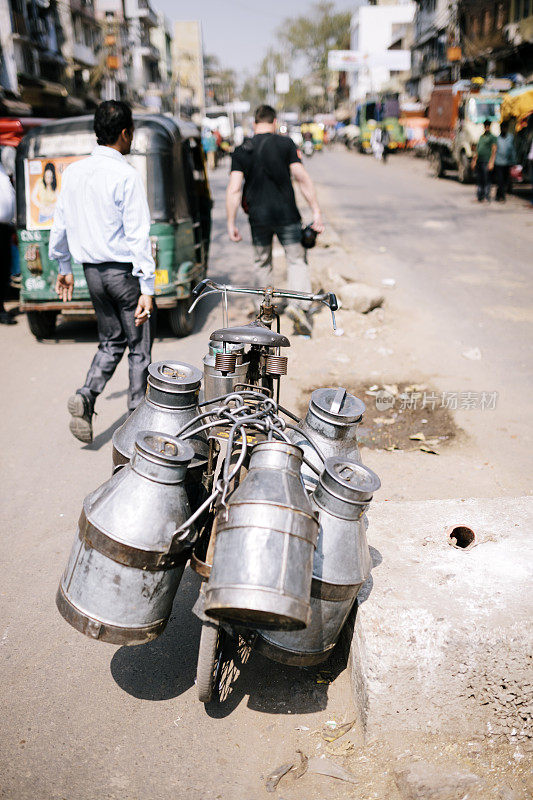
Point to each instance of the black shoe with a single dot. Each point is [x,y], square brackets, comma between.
[81,411]
[7,319]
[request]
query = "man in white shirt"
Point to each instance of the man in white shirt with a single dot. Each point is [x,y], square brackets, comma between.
[102,220]
[7,212]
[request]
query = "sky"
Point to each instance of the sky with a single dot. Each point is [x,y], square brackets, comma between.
[239,31]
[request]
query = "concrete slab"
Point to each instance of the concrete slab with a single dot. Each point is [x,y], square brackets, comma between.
[443,639]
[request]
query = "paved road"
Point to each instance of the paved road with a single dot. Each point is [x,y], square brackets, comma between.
[463,282]
[82,720]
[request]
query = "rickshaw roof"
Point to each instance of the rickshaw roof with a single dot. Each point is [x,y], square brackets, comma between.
[75,136]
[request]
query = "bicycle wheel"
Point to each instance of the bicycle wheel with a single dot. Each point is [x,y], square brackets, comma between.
[209,660]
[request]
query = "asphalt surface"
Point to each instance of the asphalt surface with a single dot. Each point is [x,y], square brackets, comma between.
[462,273]
[84,720]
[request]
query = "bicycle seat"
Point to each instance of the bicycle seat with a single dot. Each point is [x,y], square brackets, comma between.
[254,333]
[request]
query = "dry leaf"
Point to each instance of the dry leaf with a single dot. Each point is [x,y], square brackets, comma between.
[418,437]
[331,735]
[324,766]
[426,449]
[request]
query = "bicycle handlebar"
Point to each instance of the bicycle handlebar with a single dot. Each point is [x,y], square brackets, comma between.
[327,298]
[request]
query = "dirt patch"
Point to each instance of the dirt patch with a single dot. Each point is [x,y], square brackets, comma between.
[404,416]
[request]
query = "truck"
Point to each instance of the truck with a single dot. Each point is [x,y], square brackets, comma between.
[456,115]
[385,110]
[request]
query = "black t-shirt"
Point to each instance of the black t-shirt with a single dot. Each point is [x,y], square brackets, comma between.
[268,194]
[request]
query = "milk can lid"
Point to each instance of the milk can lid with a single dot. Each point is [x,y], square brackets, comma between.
[349,479]
[164,449]
[174,376]
[337,404]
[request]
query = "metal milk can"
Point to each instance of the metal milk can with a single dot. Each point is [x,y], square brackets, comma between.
[263,556]
[171,401]
[128,558]
[341,564]
[222,375]
[331,422]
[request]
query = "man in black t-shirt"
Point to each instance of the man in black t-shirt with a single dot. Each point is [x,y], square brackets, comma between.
[267,164]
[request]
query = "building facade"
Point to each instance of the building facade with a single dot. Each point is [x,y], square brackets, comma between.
[374,28]
[48,50]
[188,70]
[429,51]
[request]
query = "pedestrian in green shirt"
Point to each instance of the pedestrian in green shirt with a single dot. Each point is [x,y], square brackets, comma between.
[484,162]
[505,158]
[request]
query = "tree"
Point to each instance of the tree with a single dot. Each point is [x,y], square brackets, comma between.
[307,38]
[312,36]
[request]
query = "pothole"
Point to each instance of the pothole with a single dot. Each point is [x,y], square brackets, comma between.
[403,416]
[462,537]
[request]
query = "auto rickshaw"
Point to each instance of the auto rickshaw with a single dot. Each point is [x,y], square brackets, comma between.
[168,154]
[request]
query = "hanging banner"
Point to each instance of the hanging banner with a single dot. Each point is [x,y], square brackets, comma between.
[355,60]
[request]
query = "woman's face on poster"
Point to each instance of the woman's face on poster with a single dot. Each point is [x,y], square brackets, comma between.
[48,177]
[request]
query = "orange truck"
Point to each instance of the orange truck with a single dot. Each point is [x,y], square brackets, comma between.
[456,115]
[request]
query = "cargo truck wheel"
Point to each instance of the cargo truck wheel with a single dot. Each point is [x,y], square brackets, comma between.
[181,322]
[42,323]
[436,166]
[463,169]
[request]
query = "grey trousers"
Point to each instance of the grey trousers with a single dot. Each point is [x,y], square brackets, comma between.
[289,237]
[115,293]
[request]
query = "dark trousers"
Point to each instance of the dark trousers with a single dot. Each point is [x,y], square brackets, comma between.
[6,232]
[484,181]
[115,293]
[501,175]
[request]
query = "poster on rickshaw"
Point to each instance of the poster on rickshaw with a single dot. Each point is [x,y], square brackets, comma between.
[43,184]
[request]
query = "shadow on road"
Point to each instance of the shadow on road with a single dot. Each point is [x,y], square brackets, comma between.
[104,437]
[166,667]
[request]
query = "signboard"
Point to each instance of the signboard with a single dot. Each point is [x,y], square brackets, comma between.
[355,60]
[43,184]
[283,83]
[239,106]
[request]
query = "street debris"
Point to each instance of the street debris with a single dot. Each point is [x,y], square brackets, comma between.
[338,332]
[426,448]
[341,749]
[318,765]
[389,282]
[276,775]
[473,354]
[405,416]
[371,333]
[325,766]
[360,297]
[301,769]
[332,733]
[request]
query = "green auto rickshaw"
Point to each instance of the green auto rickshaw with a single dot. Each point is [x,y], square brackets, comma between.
[168,154]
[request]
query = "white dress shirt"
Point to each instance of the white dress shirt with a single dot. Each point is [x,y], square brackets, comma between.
[102,215]
[7,198]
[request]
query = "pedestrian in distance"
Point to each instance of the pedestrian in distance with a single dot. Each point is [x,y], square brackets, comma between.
[483,162]
[7,213]
[102,220]
[262,171]
[376,143]
[503,161]
[209,145]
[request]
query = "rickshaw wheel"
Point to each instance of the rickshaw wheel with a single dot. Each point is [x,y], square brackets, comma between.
[42,323]
[181,322]
[209,660]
